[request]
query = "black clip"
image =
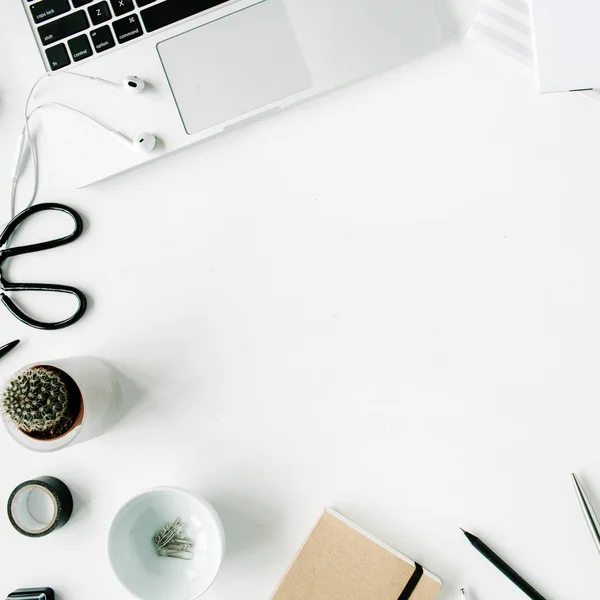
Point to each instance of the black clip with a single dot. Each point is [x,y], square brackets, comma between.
[44,593]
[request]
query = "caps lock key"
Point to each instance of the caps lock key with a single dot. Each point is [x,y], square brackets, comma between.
[48,9]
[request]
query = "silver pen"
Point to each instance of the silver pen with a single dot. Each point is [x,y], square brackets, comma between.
[588,512]
[463,594]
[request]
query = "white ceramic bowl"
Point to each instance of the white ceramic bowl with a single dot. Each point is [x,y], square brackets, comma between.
[133,556]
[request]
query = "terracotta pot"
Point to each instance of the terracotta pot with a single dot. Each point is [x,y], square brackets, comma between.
[100,392]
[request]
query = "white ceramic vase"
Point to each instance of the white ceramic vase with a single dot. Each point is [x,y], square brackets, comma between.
[100,391]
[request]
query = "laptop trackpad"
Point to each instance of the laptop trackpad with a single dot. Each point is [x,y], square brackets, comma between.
[236,64]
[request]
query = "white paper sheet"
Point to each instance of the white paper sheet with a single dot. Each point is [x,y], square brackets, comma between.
[505,26]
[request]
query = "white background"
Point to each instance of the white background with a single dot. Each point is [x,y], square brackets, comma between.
[386,300]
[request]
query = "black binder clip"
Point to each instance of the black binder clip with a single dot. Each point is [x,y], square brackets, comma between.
[44,593]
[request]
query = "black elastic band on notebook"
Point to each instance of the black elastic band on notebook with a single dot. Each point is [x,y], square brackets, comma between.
[412,583]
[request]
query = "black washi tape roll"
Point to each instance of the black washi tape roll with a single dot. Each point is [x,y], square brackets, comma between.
[40,506]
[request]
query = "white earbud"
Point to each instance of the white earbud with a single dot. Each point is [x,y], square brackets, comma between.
[131,84]
[143,142]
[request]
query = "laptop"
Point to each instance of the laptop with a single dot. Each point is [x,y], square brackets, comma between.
[210,65]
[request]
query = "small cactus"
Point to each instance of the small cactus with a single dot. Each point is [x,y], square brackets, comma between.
[39,401]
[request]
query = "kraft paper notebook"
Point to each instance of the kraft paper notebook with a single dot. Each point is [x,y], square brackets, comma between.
[340,561]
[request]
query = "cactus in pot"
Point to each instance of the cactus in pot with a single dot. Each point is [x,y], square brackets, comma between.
[42,401]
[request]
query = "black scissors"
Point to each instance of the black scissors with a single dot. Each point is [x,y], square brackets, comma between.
[6,253]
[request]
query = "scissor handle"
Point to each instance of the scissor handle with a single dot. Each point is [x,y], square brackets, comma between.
[32,210]
[40,287]
[45,287]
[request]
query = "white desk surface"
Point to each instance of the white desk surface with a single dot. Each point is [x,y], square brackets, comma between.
[386,300]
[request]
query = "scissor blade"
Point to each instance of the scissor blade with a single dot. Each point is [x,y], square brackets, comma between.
[588,512]
[6,349]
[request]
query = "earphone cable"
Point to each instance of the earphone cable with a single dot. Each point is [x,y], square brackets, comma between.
[22,150]
[72,109]
[32,146]
[144,142]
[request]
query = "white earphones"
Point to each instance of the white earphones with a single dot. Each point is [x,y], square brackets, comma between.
[130,84]
[133,85]
[144,142]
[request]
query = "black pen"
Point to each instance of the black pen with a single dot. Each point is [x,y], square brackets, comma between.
[6,349]
[507,570]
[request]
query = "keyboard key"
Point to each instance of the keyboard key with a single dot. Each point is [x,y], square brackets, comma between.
[102,38]
[78,3]
[141,3]
[120,7]
[127,29]
[171,11]
[80,47]
[58,57]
[64,27]
[99,13]
[48,9]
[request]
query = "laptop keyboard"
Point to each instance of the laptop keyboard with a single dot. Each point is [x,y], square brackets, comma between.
[75,30]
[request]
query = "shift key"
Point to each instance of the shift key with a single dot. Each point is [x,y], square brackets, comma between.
[62,28]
